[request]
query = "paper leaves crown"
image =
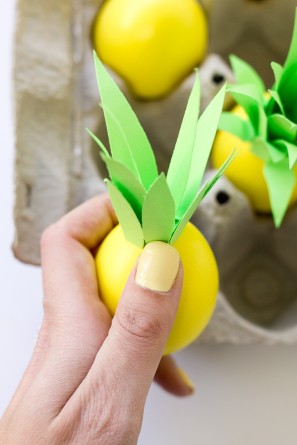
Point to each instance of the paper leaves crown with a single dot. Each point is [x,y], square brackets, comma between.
[148,205]
[271,124]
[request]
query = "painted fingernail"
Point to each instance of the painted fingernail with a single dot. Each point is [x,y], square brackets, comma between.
[186,380]
[157,266]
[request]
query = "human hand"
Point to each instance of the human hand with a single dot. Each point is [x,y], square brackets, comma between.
[89,376]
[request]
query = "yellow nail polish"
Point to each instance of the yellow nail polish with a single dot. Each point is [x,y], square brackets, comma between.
[157,266]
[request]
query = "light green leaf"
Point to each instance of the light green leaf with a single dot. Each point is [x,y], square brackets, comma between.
[291,149]
[126,216]
[275,153]
[101,145]
[259,148]
[292,53]
[280,182]
[262,125]
[199,197]
[205,133]
[128,141]
[126,182]
[158,214]
[234,124]
[246,96]
[178,172]
[246,74]
[279,127]
[277,99]
[277,71]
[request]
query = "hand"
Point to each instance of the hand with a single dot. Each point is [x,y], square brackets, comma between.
[89,376]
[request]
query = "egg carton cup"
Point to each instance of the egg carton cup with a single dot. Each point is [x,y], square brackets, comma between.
[58,166]
[257,302]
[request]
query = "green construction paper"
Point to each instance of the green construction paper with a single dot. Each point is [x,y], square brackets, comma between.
[205,134]
[279,127]
[243,95]
[142,200]
[182,157]
[291,150]
[128,141]
[262,123]
[291,58]
[234,124]
[277,99]
[158,214]
[280,181]
[127,183]
[288,92]
[126,216]
[277,71]
[260,149]
[275,153]
[246,74]
[200,196]
[267,151]
[101,145]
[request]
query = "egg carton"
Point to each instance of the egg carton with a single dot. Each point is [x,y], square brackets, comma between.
[57,167]
[258,270]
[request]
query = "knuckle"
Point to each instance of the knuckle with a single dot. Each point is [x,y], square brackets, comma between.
[48,237]
[139,323]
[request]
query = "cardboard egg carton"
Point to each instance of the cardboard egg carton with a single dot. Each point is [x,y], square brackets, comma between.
[58,167]
[258,268]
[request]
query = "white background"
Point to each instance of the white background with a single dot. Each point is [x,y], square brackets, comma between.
[244,395]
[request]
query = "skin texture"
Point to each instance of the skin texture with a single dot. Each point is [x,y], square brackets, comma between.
[89,375]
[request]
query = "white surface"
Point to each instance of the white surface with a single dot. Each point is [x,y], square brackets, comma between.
[245,395]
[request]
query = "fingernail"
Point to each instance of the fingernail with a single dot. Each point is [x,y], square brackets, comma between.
[187,381]
[157,266]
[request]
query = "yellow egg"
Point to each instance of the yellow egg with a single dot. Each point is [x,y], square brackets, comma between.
[116,258]
[152,44]
[246,171]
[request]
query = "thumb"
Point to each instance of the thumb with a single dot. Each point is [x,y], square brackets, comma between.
[142,322]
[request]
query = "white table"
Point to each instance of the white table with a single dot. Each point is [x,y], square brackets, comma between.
[245,395]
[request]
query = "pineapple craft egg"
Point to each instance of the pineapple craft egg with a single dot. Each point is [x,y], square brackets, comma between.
[154,207]
[263,126]
[152,44]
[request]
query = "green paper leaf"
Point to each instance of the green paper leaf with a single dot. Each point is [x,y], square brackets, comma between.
[277,71]
[277,99]
[126,216]
[132,190]
[183,152]
[292,53]
[291,149]
[158,214]
[260,149]
[244,96]
[279,127]
[234,124]
[246,74]
[101,145]
[205,133]
[262,125]
[267,151]
[276,154]
[280,181]
[128,141]
[199,197]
